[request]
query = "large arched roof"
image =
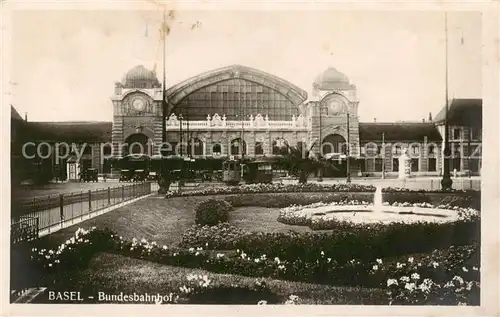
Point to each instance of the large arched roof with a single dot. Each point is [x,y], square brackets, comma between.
[176,93]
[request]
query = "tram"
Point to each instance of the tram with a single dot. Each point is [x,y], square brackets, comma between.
[231,172]
[258,171]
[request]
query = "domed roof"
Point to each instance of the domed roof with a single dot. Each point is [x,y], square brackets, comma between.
[331,79]
[139,73]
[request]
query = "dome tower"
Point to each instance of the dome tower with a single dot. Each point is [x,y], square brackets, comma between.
[140,77]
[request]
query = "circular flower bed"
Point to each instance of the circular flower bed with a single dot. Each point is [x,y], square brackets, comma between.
[335,215]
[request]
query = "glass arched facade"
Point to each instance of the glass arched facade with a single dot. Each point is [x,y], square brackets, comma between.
[236,98]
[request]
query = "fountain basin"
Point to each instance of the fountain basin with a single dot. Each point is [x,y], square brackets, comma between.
[389,214]
[375,214]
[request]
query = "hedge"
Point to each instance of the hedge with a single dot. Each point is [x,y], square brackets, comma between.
[212,211]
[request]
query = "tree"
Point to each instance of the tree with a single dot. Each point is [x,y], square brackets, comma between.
[301,162]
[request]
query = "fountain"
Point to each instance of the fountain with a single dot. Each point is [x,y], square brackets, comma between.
[378,212]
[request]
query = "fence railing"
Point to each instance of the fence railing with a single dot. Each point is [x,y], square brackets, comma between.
[26,229]
[57,209]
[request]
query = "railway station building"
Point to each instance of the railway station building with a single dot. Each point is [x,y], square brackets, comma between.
[237,110]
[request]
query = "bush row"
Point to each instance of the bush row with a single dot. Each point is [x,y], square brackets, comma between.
[274,188]
[323,268]
[282,200]
[365,242]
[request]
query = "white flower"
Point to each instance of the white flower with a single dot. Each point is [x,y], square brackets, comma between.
[164,247]
[50,264]
[262,302]
[458,279]
[322,253]
[465,269]
[375,267]
[197,253]
[392,281]
[410,286]
[404,279]
[329,260]
[379,261]
[399,265]
[191,249]
[410,260]
[435,264]
[256,260]
[415,276]
[475,268]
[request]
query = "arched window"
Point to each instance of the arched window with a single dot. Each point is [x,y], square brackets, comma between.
[136,143]
[238,147]
[259,148]
[216,149]
[334,143]
[195,147]
[280,147]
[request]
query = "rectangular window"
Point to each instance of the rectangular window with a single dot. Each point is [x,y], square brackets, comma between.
[395,164]
[86,163]
[456,133]
[431,150]
[378,164]
[415,150]
[431,165]
[475,134]
[414,164]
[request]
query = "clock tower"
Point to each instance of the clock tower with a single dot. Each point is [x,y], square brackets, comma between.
[137,113]
[335,121]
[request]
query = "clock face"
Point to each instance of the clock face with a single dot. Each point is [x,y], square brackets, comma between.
[335,106]
[138,103]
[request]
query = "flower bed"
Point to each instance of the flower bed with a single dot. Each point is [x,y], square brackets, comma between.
[274,188]
[302,216]
[440,267]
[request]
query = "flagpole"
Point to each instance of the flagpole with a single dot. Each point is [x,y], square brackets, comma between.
[164,184]
[446,182]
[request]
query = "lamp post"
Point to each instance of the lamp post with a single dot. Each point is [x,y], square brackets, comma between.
[446,182]
[164,183]
[348,179]
[320,170]
[383,155]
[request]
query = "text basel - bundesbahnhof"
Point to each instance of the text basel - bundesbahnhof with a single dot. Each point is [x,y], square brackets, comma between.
[240,110]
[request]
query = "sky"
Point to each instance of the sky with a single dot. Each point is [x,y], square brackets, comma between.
[65,63]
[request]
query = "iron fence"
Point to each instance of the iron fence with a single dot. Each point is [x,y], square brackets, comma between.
[58,209]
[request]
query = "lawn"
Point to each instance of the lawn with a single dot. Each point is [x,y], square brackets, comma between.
[165,220]
[114,274]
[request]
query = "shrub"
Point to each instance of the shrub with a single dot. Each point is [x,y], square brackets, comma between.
[222,236]
[212,211]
